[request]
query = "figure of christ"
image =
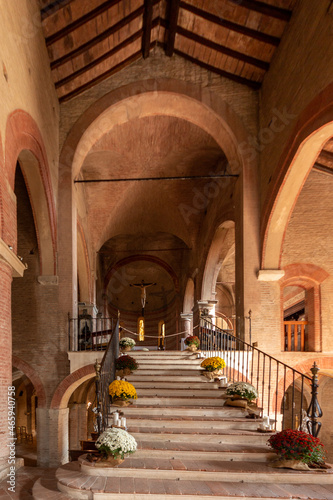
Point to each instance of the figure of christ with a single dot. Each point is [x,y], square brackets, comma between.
[143,287]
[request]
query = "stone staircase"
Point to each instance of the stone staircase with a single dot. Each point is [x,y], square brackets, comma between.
[189,446]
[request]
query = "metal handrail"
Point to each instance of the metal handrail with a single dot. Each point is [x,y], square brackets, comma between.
[105,374]
[281,388]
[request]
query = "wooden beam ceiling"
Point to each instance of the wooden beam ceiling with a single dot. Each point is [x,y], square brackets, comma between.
[172,22]
[147,26]
[237,28]
[264,8]
[225,44]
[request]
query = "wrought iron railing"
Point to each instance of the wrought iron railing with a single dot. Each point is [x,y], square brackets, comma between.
[282,390]
[89,334]
[105,374]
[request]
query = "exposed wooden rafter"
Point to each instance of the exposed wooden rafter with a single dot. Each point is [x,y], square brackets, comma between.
[172,21]
[93,41]
[223,50]
[53,7]
[100,59]
[147,27]
[243,30]
[264,8]
[221,72]
[322,168]
[81,21]
[103,76]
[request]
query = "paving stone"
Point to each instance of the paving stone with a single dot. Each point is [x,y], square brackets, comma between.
[112,485]
[157,487]
[127,485]
[141,485]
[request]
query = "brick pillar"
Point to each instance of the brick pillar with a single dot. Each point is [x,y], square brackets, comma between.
[5,357]
[52,437]
[312,310]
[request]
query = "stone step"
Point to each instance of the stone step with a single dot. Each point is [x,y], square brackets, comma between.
[178,392]
[169,367]
[174,376]
[197,470]
[182,401]
[223,456]
[235,437]
[203,383]
[161,354]
[162,384]
[156,362]
[190,425]
[179,411]
[46,489]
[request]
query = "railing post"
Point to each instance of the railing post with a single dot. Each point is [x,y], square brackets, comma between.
[314,410]
[97,367]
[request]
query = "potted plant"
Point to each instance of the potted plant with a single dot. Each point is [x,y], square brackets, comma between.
[242,390]
[213,367]
[114,444]
[125,365]
[297,450]
[121,391]
[192,342]
[126,343]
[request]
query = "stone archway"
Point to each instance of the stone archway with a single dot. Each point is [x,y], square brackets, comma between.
[24,143]
[313,129]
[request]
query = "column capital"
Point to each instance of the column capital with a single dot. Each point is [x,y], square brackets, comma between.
[187,316]
[7,255]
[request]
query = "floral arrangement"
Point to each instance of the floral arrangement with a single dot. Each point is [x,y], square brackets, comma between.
[126,361]
[116,442]
[127,342]
[212,364]
[193,340]
[244,390]
[121,389]
[297,445]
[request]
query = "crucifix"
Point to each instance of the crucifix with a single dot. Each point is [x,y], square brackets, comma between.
[143,287]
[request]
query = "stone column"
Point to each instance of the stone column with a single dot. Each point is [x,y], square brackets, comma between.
[187,323]
[52,437]
[10,266]
[78,420]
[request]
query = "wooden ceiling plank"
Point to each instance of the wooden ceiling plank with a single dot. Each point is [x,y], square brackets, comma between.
[326,155]
[264,8]
[98,60]
[236,78]
[53,7]
[81,21]
[103,76]
[147,25]
[225,50]
[322,168]
[172,22]
[112,29]
[243,30]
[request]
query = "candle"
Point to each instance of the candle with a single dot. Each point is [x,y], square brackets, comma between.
[115,418]
[123,422]
[118,378]
[266,420]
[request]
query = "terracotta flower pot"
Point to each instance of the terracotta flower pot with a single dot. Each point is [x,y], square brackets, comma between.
[126,348]
[192,347]
[121,402]
[109,461]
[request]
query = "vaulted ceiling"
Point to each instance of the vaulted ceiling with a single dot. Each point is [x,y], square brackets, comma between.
[89,40]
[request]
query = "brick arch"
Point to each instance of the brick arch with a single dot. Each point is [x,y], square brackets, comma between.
[24,142]
[303,273]
[150,97]
[213,259]
[312,130]
[147,258]
[66,388]
[24,367]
